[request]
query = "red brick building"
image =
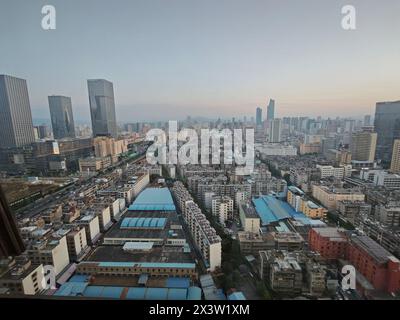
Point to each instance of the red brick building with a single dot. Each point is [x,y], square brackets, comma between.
[330,243]
[370,259]
[375,263]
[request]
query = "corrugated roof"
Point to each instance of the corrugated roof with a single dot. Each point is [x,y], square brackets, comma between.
[138,245]
[237,296]
[148,264]
[176,282]
[74,289]
[153,199]
[143,223]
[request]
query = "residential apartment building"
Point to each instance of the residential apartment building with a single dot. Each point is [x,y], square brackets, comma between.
[329,196]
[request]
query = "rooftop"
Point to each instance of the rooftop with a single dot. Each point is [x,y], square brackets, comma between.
[375,250]
[82,289]
[272,210]
[132,228]
[154,254]
[143,223]
[333,234]
[153,199]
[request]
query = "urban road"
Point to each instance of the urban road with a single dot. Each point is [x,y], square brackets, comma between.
[35,208]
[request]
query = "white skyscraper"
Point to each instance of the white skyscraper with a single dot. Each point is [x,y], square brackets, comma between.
[275,128]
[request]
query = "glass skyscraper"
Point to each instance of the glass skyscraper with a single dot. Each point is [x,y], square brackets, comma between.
[16,127]
[271,110]
[387,126]
[62,119]
[102,107]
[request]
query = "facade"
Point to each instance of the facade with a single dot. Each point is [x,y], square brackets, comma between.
[395,163]
[93,164]
[275,130]
[106,146]
[352,210]
[259,117]
[252,243]
[337,172]
[339,157]
[249,218]
[329,196]
[204,236]
[77,243]
[62,118]
[382,178]
[138,268]
[363,146]
[51,252]
[330,243]
[102,108]
[388,214]
[310,148]
[375,263]
[16,127]
[282,271]
[23,278]
[92,228]
[387,126]
[271,110]
[138,183]
[222,208]
[297,199]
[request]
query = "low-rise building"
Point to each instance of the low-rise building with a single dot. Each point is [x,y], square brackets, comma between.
[23,277]
[76,241]
[351,210]
[51,251]
[330,196]
[300,202]
[92,227]
[330,243]
[94,164]
[222,208]
[282,271]
[249,218]
[337,172]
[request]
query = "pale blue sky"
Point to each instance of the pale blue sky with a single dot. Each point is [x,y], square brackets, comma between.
[173,58]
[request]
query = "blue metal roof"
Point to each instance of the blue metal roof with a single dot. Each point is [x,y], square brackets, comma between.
[79,278]
[194,293]
[270,209]
[143,223]
[237,296]
[177,294]
[153,199]
[148,264]
[73,289]
[176,282]
[156,294]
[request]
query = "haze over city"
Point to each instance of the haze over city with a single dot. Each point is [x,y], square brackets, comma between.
[170,59]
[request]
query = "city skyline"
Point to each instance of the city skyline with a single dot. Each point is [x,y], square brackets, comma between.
[298,54]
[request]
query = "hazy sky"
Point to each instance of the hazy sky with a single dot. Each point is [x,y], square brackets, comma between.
[173,58]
